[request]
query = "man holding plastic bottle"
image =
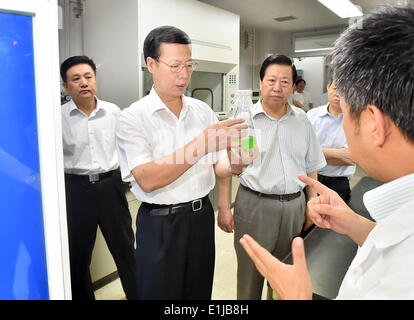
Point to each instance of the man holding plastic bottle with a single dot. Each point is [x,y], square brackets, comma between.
[270,203]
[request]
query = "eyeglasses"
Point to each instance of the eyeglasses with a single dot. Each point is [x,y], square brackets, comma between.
[176,68]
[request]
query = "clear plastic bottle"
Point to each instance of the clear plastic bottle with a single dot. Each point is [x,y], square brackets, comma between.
[242,109]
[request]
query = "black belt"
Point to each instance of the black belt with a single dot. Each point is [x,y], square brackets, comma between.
[322,178]
[165,210]
[92,178]
[280,197]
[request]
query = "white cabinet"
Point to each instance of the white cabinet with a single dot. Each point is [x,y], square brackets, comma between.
[214,32]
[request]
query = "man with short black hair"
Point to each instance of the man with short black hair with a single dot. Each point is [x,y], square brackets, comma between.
[300,97]
[327,123]
[270,202]
[374,74]
[95,195]
[168,145]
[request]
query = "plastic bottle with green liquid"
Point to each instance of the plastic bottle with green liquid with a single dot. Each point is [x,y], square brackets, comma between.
[242,109]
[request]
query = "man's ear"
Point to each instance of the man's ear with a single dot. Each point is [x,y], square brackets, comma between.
[381,125]
[65,86]
[150,64]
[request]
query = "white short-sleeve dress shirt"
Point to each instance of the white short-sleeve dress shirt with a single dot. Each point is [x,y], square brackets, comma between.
[288,147]
[330,133]
[89,145]
[147,130]
[383,266]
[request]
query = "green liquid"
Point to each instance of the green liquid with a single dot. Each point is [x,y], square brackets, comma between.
[247,143]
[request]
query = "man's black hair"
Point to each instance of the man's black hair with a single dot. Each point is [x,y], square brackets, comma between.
[299,81]
[73,61]
[281,60]
[373,64]
[164,34]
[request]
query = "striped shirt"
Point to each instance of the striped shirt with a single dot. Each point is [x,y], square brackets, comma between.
[288,147]
[387,198]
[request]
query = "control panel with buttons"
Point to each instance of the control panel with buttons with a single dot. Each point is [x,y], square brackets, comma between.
[231,86]
[232,80]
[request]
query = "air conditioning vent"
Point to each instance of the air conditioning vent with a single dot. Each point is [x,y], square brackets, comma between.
[284,19]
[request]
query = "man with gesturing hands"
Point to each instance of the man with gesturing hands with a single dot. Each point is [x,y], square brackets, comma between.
[374,74]
[170,148]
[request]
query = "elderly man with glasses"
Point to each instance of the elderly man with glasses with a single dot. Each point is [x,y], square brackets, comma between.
[170,148]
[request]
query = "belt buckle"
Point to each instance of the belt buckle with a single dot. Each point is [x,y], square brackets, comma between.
[94,177]
[284,198]
[200,205]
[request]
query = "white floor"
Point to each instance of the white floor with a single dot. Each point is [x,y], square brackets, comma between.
[224,285]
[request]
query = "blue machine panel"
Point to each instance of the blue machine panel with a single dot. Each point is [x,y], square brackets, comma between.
[23,270]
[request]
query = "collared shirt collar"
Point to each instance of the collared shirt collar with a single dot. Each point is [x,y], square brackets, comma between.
[323,111]
[389,197]
[72,106]
[396,227]
[258,108]
[391,205]
[158,104]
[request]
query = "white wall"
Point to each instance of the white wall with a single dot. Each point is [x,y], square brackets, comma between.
[260,43]
[70,36]
[247,60]
[313,70]
[213,31]
[110,38]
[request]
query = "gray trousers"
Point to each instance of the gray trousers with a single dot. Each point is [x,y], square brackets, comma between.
[273,224]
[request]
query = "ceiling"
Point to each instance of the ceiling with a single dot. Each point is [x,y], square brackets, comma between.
[310,14]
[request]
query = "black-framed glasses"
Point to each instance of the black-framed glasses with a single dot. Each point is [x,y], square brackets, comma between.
[177,67]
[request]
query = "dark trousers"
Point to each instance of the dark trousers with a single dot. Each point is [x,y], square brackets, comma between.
[175,253]
[102,204]
[338,184]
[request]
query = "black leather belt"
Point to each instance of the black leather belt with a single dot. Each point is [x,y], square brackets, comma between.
[165,210]
[280,197]
[92,178]
[322,178]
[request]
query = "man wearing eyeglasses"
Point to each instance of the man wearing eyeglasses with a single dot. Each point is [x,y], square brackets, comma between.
[169,147]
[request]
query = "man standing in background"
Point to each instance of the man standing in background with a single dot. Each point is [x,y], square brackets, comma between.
[327,123]
[94,192]
[374,76]
[301,98]
[270,203]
